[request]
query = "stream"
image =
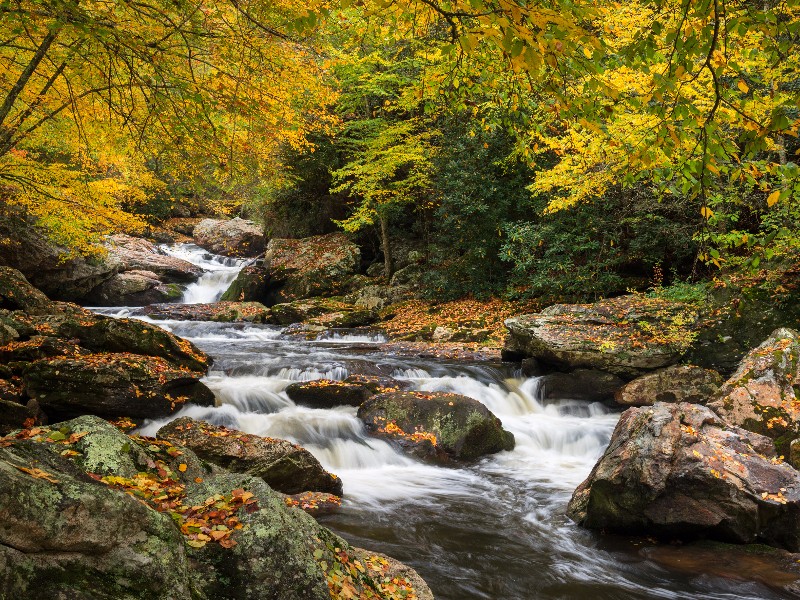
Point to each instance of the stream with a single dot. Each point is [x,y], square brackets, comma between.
[493,530]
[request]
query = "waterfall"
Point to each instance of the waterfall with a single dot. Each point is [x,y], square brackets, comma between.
[219,272]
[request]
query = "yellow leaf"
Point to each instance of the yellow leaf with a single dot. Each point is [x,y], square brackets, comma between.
[742,86]
[706,212]
[182,467]
[772,199]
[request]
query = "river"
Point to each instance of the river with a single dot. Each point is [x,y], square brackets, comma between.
[493,530]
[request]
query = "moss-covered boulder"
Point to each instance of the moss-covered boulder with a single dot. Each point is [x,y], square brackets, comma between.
[627,336]
[87,512]
[436,425]
[761,396]
[113,385]
[679,471]
[679,383]
[286,467]
[324,312]
[134,288]
[17,294]
[250,285]
[220,312]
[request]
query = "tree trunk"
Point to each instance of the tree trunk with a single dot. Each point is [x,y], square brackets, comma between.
[388,262]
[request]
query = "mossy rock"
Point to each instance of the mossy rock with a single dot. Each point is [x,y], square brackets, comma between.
[113,385]
[436,426]
[325,393]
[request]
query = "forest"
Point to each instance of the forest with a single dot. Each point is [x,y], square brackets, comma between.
[395,299]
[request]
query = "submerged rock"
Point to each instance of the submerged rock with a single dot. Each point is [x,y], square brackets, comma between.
[678,470]
[286,467]
[681,383]
[436,425]
[234,237]
[626,336]
[761,395]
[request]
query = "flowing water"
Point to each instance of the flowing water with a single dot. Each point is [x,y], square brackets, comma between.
[493,530]
[220,271]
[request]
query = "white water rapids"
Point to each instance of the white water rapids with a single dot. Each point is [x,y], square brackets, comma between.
[494,530]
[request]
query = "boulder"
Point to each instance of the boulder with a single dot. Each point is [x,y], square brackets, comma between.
[17,294]
[138,254]
[286,467]
[325,393]
[113,385]
[436,425]
[134,288]
[761,395]
[377,297]
[627,336]
[324,312]
[590,385]
[234,237]
[680,383]
[250,285]
[222,312]
[52,268]
[87,512]
[322,265]
[679,471]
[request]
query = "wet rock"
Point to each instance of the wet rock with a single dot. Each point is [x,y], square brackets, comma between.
[63,534]
[315,503]
[134,288]
[222,312]
[69,530]
[681,383]
[325,393]
[378,384]
[286,467]
[322,265]
[138,254]
[16,354]
[113,385]
[761,395]
[15,410]
[323,312]
[590,385]
[234,237]
[678,470]
[391,568]
[436,425]
[626,336]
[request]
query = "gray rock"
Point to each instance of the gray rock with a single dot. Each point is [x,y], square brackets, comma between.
[680,383]
[436,425]
[134,288]
[234,237]
[761,395]
[286,467]
[590,385]
[138,254]
[678,470]
[627,336]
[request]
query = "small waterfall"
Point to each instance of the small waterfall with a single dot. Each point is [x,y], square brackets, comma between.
[220,271]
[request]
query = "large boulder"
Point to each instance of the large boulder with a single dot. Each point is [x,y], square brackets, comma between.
[52,268]
[436,425]
[138,254]
[286,467]
[761,396]
[679,383]
[17,294]
[87,512]
[221,312]
[678,470]
[323,265]
[113,385]
[134,288]
[324,312]
[626,336]
[234,237]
